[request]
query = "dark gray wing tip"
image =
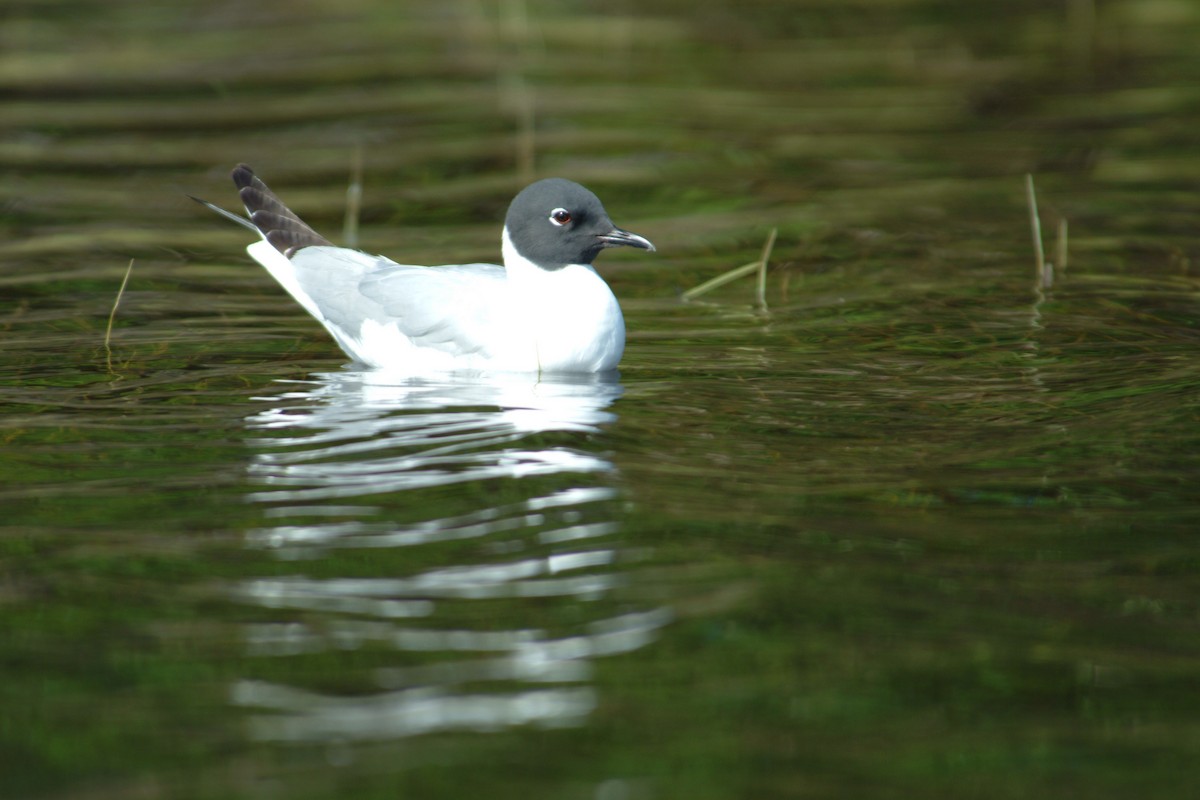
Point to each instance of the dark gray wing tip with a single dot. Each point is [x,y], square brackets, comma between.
[278,224]
[243,176]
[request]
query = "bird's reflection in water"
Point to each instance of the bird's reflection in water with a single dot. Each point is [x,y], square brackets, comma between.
[492,525]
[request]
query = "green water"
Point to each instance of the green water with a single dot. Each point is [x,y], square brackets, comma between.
[922,527]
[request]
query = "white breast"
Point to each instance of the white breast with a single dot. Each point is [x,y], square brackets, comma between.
[570,316]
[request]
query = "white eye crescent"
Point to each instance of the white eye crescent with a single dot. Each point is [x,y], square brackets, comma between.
[560,217]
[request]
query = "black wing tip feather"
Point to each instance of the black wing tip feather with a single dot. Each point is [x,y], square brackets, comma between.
[278,224]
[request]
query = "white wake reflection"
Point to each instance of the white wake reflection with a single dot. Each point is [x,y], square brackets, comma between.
[407,713]
[456,489]
[354,434]
[308,716]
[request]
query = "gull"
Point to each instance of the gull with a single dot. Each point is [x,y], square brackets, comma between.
[545,310]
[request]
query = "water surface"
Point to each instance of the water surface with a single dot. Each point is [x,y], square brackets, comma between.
[923,526]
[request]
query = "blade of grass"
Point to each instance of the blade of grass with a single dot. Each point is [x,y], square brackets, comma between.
[112,315]
[721,280]
[1036,227]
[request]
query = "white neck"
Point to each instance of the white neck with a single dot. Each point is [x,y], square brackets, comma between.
[519,267]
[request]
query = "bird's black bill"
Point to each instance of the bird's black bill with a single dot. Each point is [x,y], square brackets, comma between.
[619,238]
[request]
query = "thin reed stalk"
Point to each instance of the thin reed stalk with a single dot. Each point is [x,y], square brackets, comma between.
[1035,225]
[353,200]
[761,292]
[1060,250]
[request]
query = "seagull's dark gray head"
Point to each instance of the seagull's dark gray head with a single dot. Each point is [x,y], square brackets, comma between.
[556,222]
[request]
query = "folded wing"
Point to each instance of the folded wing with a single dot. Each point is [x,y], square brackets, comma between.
[379,310]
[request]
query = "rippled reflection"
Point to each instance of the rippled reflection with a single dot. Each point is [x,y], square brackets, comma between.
[487,521]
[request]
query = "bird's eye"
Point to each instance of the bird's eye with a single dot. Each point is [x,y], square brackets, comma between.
[560,216]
